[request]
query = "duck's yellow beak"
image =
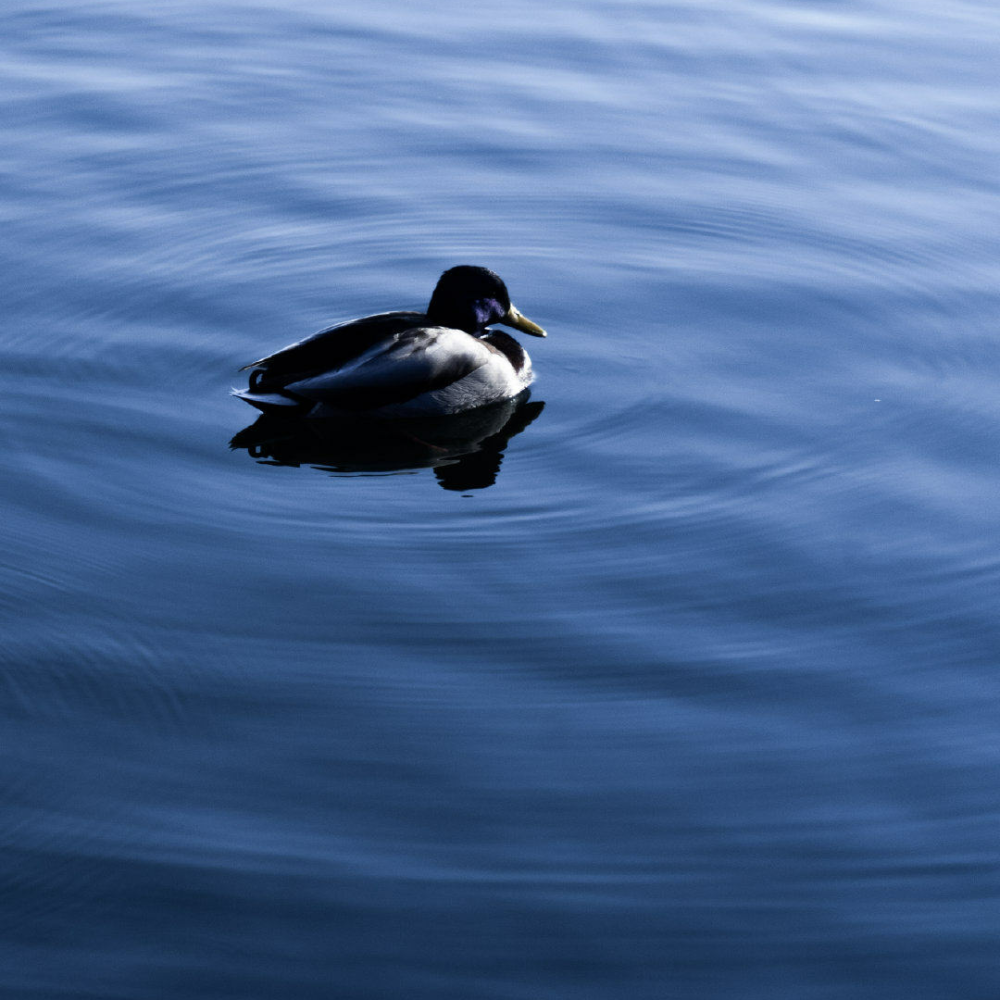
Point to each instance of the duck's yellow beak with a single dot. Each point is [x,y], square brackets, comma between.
[522,323]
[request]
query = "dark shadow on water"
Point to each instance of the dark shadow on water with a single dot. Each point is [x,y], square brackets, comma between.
[465,450]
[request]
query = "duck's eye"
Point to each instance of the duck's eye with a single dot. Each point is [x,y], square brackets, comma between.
[488,311]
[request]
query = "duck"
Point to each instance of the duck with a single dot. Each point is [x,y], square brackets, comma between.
[397,364]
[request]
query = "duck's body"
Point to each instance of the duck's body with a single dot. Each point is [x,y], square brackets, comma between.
[395,364]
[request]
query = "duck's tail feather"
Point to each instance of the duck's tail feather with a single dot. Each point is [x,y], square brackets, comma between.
[272,402]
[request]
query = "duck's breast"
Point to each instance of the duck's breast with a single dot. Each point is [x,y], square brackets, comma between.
[501,377]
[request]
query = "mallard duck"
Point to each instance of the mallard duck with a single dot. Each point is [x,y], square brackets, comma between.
[395,364]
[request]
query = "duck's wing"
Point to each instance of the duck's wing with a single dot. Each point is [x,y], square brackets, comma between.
[414,363]
[335,347]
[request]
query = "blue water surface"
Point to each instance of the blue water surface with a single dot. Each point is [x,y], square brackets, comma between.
[682,684]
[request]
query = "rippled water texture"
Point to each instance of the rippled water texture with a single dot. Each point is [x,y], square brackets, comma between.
[678,680]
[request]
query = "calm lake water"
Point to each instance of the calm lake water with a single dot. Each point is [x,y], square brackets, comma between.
[683,682]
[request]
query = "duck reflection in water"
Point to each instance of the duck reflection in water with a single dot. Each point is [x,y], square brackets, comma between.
[465,450]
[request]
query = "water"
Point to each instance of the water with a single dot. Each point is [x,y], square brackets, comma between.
[684,683]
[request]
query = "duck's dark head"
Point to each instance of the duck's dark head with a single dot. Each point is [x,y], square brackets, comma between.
[471,298]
